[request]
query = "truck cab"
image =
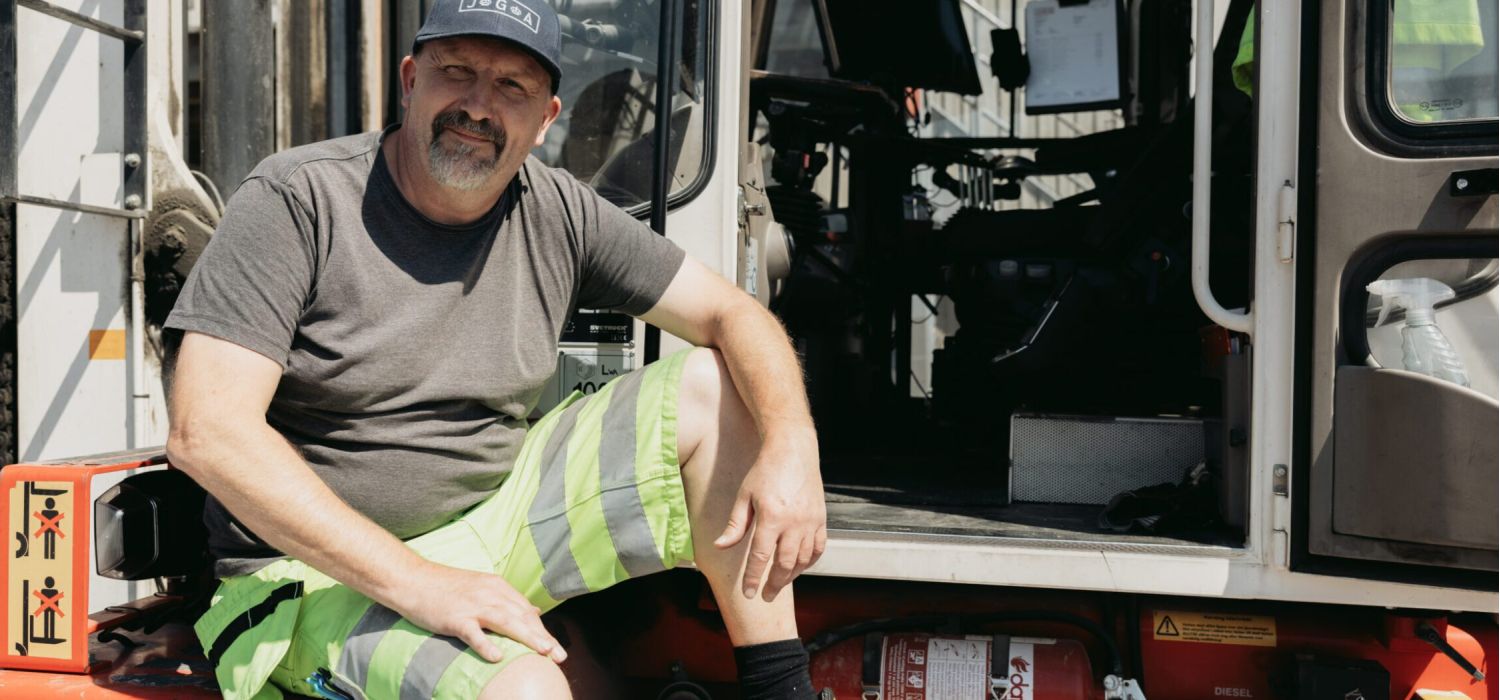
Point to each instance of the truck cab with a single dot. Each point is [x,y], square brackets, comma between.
[1081,290]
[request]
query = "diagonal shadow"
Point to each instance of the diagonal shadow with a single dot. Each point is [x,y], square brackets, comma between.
[53,75]
[49,251]
[65,391]
[75,275]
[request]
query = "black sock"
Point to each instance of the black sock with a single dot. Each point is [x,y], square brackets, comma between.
[774,671]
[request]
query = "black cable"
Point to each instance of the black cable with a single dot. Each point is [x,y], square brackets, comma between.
[831,637]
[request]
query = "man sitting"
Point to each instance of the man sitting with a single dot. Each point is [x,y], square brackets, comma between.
[364,339]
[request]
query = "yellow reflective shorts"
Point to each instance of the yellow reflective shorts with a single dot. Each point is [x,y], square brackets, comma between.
[595,497]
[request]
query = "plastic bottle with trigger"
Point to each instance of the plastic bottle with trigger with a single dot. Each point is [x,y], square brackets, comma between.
[1424,348]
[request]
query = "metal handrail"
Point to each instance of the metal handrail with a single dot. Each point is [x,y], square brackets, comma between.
[84,21]
[1203,102]
[135,169]
[75,206]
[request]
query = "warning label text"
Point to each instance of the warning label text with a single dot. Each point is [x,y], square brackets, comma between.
[1214,628]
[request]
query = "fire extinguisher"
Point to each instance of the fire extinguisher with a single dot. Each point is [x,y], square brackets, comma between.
[923,666]
[900,660]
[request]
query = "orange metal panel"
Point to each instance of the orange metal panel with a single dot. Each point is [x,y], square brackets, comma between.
[46,510]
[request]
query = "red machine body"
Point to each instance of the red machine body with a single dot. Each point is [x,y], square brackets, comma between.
[1246,652]
[916,666]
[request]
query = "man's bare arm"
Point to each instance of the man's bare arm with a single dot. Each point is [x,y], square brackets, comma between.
[783,493]
[219,436]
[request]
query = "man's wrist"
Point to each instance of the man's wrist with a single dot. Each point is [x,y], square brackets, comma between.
[790,432]
[391,581]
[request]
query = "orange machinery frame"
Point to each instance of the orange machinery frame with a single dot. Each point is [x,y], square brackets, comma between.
[67,535]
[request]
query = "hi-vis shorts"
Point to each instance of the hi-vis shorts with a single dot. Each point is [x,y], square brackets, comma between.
[595,497]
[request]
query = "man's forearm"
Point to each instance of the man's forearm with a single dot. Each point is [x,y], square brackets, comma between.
[765,370]
[262,480]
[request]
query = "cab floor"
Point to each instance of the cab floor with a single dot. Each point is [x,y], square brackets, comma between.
[1028,521]
[894,493]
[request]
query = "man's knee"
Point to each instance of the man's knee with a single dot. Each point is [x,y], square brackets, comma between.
[705,378]
[530,677]
[709,407]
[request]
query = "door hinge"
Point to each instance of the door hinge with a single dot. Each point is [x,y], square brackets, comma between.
[1286,222]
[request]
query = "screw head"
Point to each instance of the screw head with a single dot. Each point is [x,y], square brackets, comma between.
[132,160]
[1462,183]
[1280,470]
[133,202]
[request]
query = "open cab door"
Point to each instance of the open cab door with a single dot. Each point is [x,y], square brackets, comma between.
[1396,470]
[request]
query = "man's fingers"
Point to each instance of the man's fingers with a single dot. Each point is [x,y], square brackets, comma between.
[527,629]
[762,549]
[784,570]
[542,640]
[808,553]
[474,637]
[739,522]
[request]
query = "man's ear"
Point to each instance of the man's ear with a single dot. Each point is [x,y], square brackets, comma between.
[554,108]
[408,80]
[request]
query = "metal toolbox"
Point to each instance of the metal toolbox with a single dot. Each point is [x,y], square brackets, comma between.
[1090,459]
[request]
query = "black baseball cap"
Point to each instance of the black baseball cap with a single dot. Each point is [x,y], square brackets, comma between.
[530,24]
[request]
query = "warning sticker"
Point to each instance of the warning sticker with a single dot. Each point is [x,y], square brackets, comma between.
[40,586]
[1214,628]
[924,667]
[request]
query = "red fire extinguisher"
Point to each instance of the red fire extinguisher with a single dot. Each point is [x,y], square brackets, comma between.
[921,666]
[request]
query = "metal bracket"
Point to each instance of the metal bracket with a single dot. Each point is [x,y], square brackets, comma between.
[1473,183]
[1117,688]
[1280,478]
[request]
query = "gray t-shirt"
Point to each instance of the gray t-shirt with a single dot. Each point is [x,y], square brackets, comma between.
[412,351]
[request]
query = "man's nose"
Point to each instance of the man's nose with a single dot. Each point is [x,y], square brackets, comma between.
[477,103]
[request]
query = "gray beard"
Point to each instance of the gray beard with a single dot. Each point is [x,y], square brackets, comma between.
[460,166]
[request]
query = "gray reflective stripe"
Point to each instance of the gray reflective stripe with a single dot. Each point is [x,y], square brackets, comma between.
[359,646]
[621,495]
[427,666]
[560,574]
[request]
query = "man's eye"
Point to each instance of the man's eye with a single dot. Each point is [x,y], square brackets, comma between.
[457,71]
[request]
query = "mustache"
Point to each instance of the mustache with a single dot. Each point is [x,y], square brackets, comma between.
[456,118]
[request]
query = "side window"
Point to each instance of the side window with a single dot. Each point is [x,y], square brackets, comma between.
[1440,61]
[605,133]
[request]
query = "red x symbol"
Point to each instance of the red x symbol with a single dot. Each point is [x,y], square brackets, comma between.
[54,524]
[48,602]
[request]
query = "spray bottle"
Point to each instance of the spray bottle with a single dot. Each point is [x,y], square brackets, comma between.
[1424,348]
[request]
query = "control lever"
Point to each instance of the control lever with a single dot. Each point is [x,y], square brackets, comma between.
[1429,634]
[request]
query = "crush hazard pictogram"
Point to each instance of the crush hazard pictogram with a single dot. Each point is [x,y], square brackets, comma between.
[1167,628]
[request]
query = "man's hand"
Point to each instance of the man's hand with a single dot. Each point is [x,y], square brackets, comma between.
[781,500]
[463,604]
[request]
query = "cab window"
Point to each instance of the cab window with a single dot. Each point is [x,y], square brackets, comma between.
[1441,60]
[605,134]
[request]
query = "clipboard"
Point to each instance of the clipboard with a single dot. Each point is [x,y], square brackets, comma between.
[1077,64]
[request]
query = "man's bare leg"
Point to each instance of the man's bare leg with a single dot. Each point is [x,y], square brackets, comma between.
[530,677]
[717,443]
